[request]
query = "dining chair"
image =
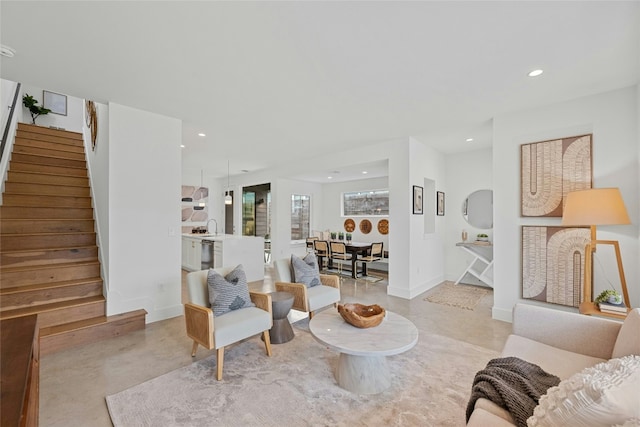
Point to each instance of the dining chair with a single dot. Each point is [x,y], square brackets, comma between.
[321,249]
[375,254]
[339,253]
[310,241]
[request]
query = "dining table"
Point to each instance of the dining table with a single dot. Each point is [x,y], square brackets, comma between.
[355,249]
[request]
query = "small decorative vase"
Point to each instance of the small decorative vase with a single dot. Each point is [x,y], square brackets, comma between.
[614,299]
[464,235]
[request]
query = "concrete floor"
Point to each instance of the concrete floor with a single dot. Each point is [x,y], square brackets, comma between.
[74,383]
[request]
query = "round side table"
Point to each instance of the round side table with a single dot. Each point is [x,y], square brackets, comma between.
[281,331]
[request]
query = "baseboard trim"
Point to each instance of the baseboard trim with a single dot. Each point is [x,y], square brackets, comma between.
[503,314]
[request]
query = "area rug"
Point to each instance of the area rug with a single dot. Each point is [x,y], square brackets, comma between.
[431,385]
[461,296]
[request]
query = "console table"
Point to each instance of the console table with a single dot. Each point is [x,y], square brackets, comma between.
[482,263]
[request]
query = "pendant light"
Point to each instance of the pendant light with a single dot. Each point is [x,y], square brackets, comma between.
[200,206]
[228,200]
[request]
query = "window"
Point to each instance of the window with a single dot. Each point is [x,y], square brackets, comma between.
[366,203]
[300,216]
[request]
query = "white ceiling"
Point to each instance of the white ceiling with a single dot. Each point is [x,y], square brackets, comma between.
[273,80]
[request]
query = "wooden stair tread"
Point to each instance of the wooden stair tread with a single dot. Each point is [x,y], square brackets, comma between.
[43,165]
[28,127]
[43,308]
[39,286]
[26,251]
[22,181]
[87,323]
[46,266]
[50,212]
[44,184]
[47,173]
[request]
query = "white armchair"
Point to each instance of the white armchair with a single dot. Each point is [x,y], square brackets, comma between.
[306,299]
[228,328]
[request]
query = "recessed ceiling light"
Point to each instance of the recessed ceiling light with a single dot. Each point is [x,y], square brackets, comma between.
[365,172]
[7,51]
[535,73]
[469,139]
[201,134]
[329,177]
[181,145]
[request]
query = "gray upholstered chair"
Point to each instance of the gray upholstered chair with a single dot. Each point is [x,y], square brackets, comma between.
[306,299]
[217,332]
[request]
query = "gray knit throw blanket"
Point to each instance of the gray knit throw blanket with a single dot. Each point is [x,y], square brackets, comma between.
[513,384]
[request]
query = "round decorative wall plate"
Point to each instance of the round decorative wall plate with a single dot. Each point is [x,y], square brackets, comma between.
[365,226]
[349,225]
[383,226]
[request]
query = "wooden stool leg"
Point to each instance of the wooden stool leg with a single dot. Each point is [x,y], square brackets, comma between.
[194,348]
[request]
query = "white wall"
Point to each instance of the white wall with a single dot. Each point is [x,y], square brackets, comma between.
[612,118]
[72,121]
[465,173]
[144,213]
[416,241]
[332,219]
[98,165]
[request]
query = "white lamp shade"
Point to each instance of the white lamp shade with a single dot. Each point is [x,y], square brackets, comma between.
[228,200]
[597,206]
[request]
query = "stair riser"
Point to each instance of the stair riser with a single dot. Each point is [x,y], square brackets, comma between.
[110,329]
[31,298]
[38,178]
[53,152]
[55,170]
[50,138]
[20,212]
[48,161]
[46,201]
[35,143]
[57,256]
[27,226]
[71,314]
[53,274]
[46,190]
[26,243]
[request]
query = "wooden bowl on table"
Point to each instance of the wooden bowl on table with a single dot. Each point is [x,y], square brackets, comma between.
[360,315]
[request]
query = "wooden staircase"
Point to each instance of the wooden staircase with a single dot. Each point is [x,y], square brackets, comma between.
[49,261]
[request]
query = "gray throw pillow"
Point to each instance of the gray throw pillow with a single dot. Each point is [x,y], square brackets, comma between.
[305,270]
[230,292]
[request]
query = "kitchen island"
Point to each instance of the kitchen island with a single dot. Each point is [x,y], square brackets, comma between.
[202,251]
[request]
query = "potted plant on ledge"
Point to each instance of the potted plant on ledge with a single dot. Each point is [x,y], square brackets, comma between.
[36,110]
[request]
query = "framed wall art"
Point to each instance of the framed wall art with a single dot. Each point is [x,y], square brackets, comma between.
[417,200]
[553,263]
[439,203]
[552,169]
[56,102]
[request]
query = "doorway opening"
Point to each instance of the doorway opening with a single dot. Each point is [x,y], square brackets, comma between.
[256,210]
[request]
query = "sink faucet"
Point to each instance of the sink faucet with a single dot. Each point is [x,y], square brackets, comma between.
[216,225]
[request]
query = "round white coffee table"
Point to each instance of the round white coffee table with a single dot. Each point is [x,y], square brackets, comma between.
[362,365]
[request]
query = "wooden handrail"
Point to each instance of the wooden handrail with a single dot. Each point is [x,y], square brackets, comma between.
[5,134]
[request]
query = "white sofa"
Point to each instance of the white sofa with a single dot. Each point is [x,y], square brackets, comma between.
[562,344]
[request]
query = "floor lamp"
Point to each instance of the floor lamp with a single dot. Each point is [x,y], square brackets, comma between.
[597,206]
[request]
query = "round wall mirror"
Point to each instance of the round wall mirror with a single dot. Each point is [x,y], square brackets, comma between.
[477,209]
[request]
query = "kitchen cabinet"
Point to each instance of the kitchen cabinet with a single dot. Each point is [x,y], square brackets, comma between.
[191,253]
